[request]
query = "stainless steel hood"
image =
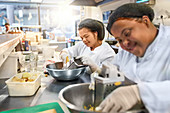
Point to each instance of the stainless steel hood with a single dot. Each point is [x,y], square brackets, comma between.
[89,2]
[57,2]
[84,3]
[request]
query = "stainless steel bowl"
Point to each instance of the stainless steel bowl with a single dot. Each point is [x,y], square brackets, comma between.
[56,71]
[76,96]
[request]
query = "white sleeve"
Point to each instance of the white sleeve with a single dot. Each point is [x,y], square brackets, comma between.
[156,96]
[118,58]
[74,50]
[107,56]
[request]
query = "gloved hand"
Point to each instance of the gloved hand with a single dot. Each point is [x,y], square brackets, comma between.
[92,84]
[110,71]
[87,61]
[120,100]
[64,56]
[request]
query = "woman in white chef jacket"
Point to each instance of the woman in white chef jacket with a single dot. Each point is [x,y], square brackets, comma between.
[144,59]
[93,51]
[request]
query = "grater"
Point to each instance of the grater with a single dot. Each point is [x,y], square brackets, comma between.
[109,79]
[104,86]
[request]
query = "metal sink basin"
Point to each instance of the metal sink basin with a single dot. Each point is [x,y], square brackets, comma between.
[76,96]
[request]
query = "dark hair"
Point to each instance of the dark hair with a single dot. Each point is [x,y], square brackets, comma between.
[93,26]
[7,24]
[130,10]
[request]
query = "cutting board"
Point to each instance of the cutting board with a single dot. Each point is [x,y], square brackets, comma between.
[37,108]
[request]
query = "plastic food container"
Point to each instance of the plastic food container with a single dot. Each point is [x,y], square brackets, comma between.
[23,88]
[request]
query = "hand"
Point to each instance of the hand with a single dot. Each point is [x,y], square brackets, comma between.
[87,61]
[92,84]
[64,56]
[121,99]
[111,71]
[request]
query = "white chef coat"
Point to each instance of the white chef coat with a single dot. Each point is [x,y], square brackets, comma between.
[151,72]
[101,54]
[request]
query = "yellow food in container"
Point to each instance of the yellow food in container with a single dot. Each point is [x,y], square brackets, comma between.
[26,77]
[24,84]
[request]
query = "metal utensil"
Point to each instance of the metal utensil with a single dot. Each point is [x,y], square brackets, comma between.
[78,62]
[100,85]
[75,63]
[104,86]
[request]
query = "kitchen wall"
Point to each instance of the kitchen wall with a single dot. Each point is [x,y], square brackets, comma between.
[162,8]
[112,6]
[96,12]
[91,12]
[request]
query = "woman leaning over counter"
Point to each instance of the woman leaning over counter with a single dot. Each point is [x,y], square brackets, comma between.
[93,51]
[144,59]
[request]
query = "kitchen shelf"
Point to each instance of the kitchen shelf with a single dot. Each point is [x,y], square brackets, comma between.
[7,43]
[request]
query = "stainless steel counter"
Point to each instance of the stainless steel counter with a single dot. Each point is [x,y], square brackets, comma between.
[48,92]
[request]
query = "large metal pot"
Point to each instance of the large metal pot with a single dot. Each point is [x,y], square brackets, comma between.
[56,71]
[77,96]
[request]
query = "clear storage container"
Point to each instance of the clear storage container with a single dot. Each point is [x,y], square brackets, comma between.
[23,88]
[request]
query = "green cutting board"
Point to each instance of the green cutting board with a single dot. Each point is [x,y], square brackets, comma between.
[38,108]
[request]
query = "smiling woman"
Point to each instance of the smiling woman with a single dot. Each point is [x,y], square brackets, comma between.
[92,50]
[88,29]
[143,58]
[133,37]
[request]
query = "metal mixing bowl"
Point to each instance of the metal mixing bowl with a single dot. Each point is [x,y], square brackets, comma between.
[76,96]
[56,71]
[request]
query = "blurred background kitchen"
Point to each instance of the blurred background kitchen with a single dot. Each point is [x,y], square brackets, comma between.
[42,28]
[54,22]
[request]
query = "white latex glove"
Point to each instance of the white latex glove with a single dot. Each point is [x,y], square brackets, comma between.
[120,100]
[64,55]
[88,61]
[110,71]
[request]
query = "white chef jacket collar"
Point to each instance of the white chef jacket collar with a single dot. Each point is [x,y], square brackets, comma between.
[153,47]
[96,49]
